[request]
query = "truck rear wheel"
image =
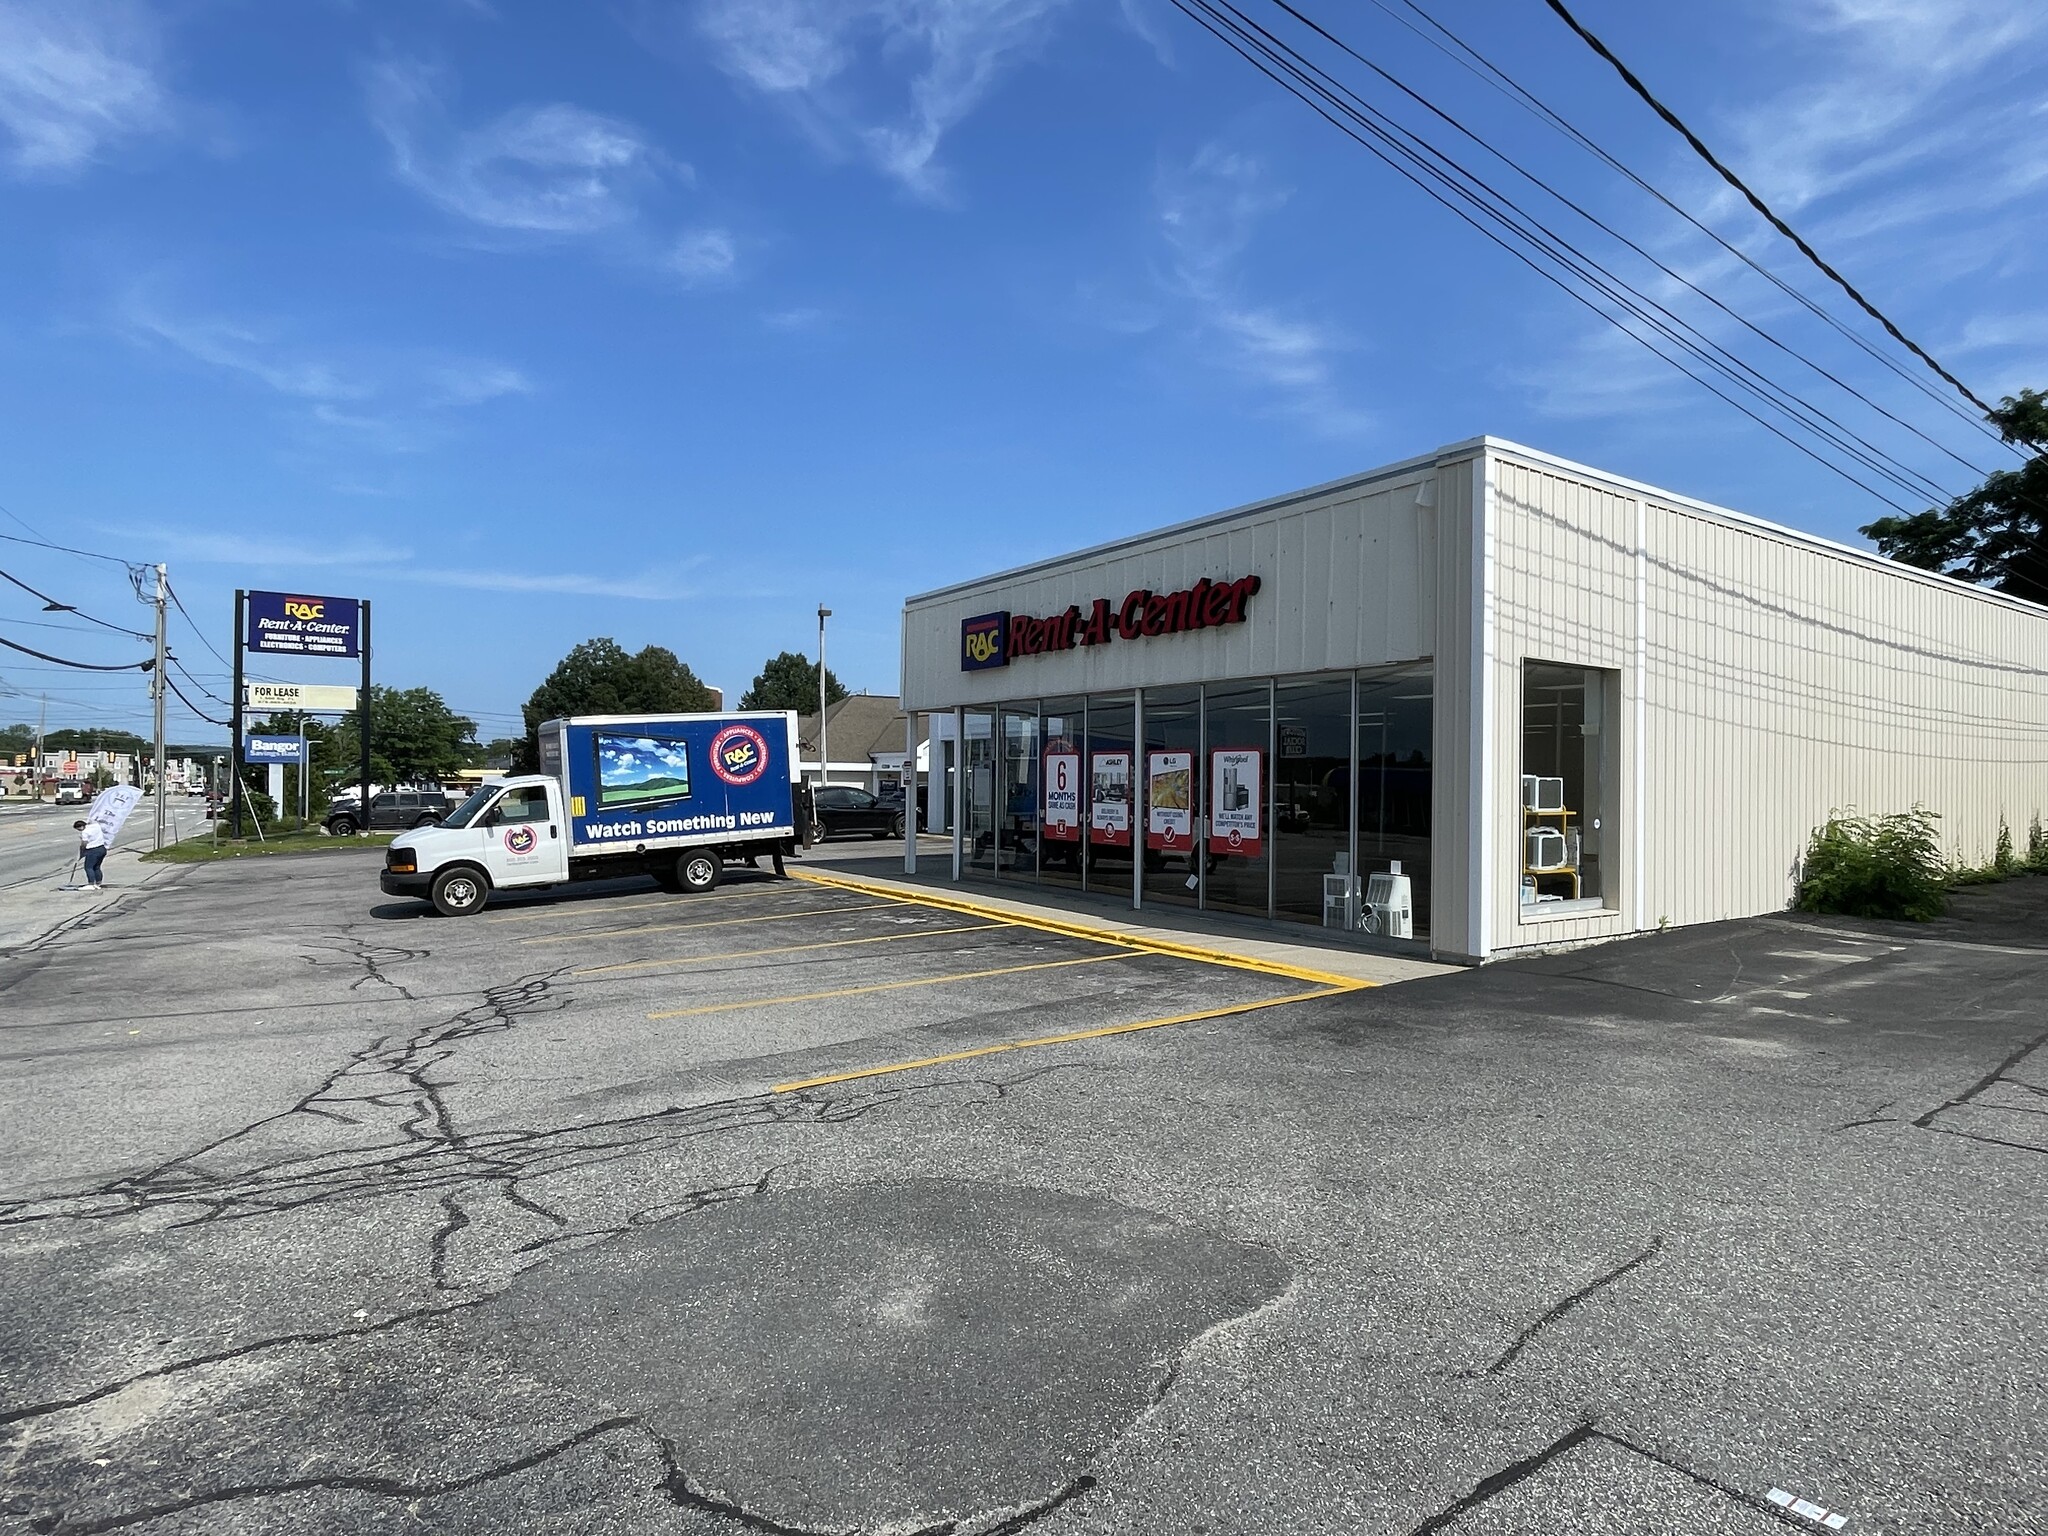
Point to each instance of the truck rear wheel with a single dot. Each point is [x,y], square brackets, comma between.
[458,892]
[699,870]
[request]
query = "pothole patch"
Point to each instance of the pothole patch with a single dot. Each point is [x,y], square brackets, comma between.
[905,1356]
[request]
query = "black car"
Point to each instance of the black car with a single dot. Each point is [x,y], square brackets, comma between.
[396,810]
[842,809]
[891,795]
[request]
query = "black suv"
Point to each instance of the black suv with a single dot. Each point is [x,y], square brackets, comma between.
[396,810]
[842,808]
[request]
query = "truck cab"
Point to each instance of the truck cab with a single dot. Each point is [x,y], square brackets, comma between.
[507,836]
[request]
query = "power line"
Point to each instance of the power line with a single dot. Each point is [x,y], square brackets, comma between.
[65,549]
[1929,487]
[198,684]
[51,605]
[1450,184]
[1760,205]
[82,666]
[202,714]
[1477,63]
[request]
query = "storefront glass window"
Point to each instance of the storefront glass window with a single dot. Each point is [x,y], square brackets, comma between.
[1312,801]
[1062,793]
[1394,784]
[1567,826]
[1017,794]
[1172,782]
[1109,811]
[978,754]
[1236,775]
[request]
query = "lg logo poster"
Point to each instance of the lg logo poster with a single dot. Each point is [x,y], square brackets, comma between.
[1170,801]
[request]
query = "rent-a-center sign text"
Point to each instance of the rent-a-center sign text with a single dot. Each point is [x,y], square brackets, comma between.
[995,639]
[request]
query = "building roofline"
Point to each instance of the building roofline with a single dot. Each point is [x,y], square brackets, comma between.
[1466,448]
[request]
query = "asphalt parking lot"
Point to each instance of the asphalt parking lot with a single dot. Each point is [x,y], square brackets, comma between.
[801,1207]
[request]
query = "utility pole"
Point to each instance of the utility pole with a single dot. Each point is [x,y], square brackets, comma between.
[824,754]
[163,585]
[42,715]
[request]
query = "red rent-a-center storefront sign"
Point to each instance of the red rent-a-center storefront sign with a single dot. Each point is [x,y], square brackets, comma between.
[1143,613]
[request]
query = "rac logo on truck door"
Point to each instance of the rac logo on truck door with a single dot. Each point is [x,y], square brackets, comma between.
[521,840]
[739,754]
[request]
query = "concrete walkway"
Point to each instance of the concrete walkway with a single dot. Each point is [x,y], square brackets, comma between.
[881,865]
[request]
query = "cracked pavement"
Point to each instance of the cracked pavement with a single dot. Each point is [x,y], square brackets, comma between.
[319,1213]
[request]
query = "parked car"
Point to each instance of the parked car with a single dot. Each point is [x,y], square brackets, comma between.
[842,808]
[395,810]
[891,795]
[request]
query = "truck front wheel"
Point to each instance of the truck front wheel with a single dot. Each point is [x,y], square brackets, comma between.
[459,892]
[698,871]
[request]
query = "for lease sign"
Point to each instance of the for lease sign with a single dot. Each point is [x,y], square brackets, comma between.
[295,624]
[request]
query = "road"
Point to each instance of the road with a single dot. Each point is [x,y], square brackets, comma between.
[37,843]
[803,1208]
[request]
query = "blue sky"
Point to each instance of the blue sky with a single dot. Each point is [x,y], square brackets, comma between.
[671,319]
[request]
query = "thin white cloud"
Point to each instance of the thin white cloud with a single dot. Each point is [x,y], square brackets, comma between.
[883,80]
[1208,213]
[801,318]
[382,402]
[75,77]
[551,169]
[703,256]
[395,562]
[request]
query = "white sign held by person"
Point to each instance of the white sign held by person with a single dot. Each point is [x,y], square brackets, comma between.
[110,807]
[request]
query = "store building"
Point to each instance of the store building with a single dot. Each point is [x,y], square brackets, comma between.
[1568,706]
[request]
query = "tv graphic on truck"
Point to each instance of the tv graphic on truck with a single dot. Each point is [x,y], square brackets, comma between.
[671,796]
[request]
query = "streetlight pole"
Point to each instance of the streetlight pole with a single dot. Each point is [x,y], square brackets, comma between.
[824,754]
[163,582]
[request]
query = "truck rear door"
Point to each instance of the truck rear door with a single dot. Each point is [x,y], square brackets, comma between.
[524,837]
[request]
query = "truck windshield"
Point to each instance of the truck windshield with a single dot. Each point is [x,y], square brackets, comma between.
[471,808]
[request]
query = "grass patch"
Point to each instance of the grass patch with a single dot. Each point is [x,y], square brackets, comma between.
[203,849]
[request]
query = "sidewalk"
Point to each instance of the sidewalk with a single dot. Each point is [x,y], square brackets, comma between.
[881,864]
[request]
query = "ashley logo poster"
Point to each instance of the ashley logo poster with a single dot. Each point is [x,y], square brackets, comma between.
[1109,800]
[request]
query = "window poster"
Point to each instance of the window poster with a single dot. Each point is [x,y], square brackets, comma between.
[1062,821]
[1170,800]
[1235,799]
[1109,800]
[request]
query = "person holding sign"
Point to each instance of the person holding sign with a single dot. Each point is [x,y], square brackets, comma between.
[92,847]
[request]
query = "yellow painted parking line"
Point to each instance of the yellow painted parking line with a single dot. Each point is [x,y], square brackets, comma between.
[885,986]
[784,949]
[1076,930]
[557,908]
[1067,1039]
[720,922]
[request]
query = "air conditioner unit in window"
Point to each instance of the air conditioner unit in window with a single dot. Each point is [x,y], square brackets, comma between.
[1389,906]
[1542,794]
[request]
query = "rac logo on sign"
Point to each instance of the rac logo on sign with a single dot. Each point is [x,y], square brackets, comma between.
[984,642]
[307,608]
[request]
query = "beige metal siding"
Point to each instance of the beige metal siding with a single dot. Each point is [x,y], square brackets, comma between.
[1783,679]
[1338,589]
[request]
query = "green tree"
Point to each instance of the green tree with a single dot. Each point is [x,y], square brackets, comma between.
[598,677]
[17,738]
[94,739]
[790,681]
[1997,535]
[413,735]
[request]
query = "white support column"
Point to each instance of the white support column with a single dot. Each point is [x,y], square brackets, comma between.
[909,782]
[1139,789]
[1639,872]
[959,789]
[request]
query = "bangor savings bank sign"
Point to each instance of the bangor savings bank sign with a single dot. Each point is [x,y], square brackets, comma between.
[995,639]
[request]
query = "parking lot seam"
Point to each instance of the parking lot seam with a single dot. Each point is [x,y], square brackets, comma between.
[886,986]
[716,922]
[1102,1032]
[1088,931]
[783,949]
[528,912]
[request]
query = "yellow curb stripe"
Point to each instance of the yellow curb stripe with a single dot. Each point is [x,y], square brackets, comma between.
[783,949]
[885,986]
[1086,931]
[1066,1039]
[721,922]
